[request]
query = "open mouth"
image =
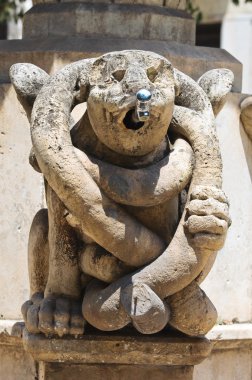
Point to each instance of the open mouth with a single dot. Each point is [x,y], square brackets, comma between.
[130,122]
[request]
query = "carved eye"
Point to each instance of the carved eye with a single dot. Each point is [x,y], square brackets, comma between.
[152,73]
[118,75]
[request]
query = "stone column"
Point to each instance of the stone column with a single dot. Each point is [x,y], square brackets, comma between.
[106,20]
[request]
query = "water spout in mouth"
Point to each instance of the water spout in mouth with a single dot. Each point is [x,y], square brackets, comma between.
[142,110]
[135,118]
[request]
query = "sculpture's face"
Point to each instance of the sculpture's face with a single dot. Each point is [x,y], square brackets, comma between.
[115,80]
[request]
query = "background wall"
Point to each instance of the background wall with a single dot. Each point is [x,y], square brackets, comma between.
[236,37]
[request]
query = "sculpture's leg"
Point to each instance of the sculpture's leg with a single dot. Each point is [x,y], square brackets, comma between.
[38,254]
[64,273]
[60,311]
[192,312]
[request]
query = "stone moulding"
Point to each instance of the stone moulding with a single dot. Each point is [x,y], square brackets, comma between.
[122,347]
[246,115]
[119,349]
[222,337]
[163,254]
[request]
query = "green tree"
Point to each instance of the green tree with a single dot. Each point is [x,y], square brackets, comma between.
[196,11]
[236,2]
[11,10]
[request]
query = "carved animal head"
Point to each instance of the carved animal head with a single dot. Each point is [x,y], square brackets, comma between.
[110,84]
[115,80]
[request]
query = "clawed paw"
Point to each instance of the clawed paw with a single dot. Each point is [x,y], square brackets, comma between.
[208,217]
[53,315]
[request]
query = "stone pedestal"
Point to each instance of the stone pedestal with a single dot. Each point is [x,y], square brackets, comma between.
[117,356]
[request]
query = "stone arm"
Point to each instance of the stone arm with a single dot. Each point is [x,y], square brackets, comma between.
[148,186]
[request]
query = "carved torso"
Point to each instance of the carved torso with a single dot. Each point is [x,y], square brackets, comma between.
[161,218]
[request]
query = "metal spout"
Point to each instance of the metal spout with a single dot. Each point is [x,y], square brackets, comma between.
[142,110]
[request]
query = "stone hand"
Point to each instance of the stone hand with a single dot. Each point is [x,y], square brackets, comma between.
[208,217]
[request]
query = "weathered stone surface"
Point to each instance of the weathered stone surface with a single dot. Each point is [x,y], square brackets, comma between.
[163,349]
[16,364]
[192,300]
[139,22]
[56,371]
[217,84]
[126,356]
[231,354]
[109,84]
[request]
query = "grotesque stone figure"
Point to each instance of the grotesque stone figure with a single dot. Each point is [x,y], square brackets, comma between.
[135,213]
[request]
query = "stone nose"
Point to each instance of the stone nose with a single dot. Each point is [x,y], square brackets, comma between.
[135,79]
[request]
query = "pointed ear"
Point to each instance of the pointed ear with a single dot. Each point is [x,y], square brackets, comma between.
[27,80]
[217,84]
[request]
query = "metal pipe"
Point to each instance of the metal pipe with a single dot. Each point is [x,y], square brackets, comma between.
[142,110]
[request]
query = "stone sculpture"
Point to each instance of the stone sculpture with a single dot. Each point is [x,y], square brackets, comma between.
[135,213]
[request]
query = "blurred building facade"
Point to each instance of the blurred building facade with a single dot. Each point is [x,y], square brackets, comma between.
[230,26]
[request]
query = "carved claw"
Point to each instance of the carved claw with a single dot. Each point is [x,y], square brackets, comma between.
[53,316]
